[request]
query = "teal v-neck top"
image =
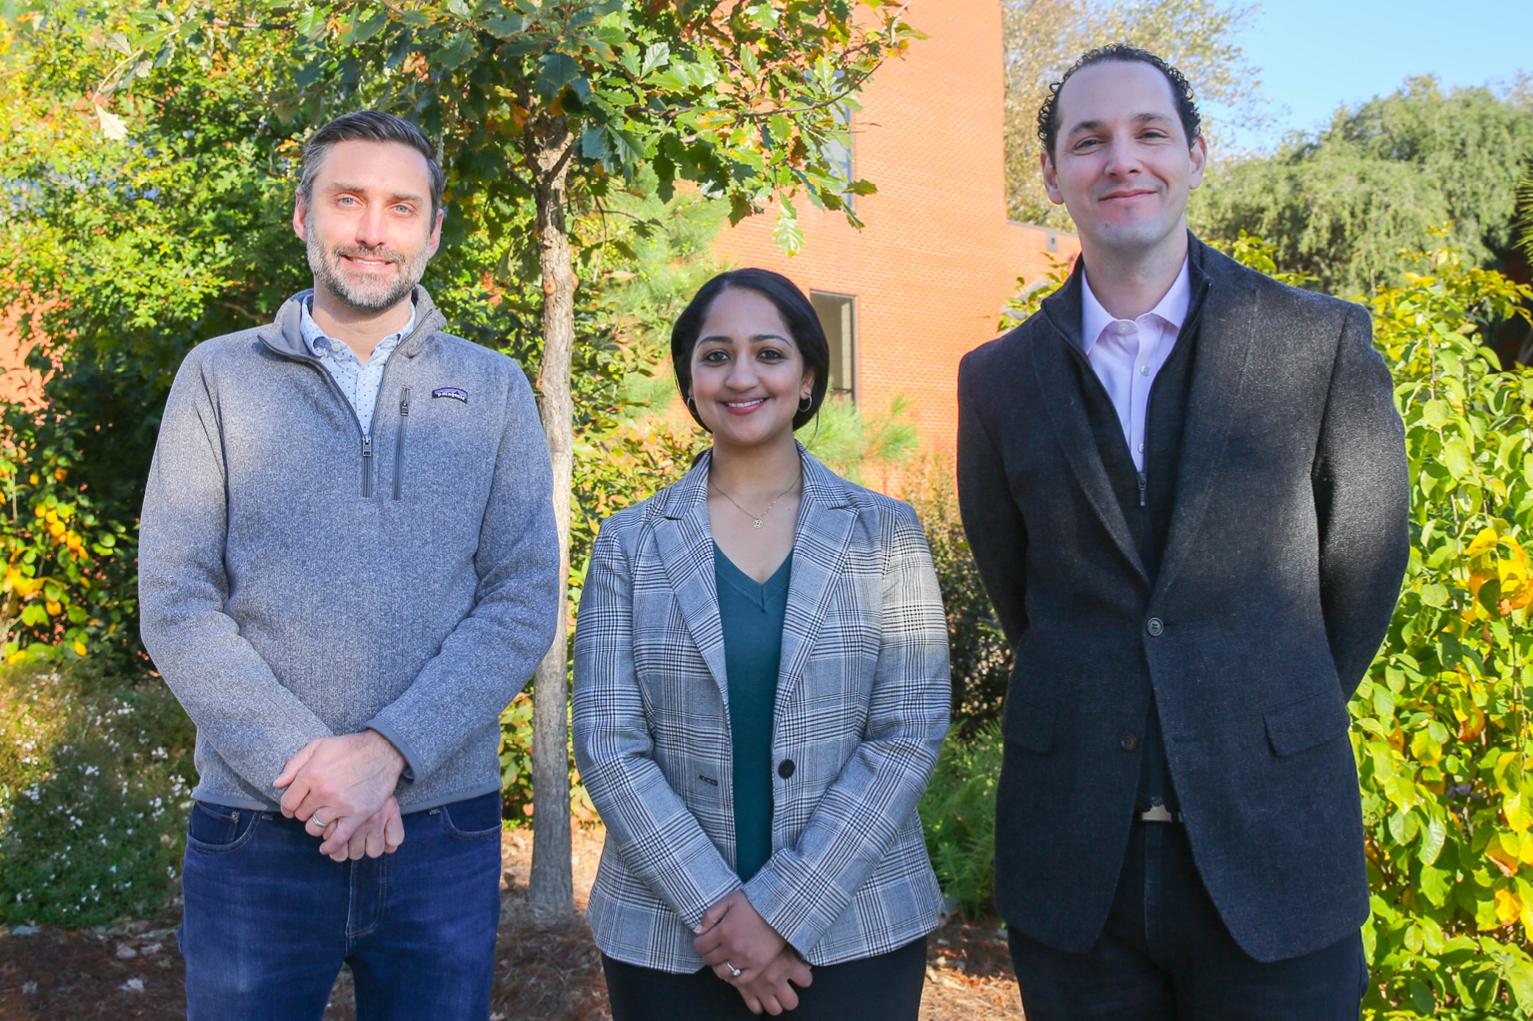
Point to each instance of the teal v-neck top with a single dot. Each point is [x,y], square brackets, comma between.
[751,613]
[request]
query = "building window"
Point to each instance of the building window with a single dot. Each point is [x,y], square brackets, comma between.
[838,318]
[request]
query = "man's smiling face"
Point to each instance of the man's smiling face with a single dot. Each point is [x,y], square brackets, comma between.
[1122,164]
[368,223]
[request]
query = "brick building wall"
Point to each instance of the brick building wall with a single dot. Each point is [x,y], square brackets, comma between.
[17,382]
[937,260]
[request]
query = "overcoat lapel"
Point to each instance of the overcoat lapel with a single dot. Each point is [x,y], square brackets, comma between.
[1215,399]
[685,543]
[820,541]
[1060,393]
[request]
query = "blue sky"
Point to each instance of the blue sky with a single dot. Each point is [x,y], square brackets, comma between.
[1315,55]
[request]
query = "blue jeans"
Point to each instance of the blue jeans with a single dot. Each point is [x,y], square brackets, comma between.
[269,921]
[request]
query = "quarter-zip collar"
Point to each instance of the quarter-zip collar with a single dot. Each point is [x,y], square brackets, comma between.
[284,334]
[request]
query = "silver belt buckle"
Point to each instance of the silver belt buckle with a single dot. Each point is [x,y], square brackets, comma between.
[1157,813]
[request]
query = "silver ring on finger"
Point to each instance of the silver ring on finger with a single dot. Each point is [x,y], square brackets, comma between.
[316,820]
[733,971]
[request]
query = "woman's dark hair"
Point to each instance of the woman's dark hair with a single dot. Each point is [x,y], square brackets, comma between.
[797,314]
[1181,92]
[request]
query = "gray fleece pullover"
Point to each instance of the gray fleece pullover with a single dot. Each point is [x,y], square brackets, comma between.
[299,578]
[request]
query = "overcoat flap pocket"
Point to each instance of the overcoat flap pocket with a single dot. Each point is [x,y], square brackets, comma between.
[1304,724]
[1029,725]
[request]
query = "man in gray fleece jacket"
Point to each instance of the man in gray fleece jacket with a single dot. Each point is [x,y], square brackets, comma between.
[348,567]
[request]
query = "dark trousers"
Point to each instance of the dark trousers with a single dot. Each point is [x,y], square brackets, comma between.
[882,988]
[1165,954]
[268,921]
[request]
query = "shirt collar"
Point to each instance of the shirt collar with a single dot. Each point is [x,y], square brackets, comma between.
[1171,309]
[311,332]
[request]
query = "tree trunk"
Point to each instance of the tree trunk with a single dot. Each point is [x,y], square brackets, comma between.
[550,886]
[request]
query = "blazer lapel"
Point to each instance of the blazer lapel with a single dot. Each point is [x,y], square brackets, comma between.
[1066,407]
[685,543]
[820,540]
[1226,330]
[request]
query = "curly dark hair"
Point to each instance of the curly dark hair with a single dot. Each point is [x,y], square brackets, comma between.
[1181,92]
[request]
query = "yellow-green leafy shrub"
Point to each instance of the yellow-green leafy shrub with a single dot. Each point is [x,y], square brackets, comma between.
[1442,729]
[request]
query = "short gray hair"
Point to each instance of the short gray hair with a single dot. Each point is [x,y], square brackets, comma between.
[368,126]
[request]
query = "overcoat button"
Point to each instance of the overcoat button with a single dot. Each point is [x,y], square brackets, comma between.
[1128,742]
[1155,627]
[785,768]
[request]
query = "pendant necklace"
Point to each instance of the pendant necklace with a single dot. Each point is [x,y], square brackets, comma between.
[756,520]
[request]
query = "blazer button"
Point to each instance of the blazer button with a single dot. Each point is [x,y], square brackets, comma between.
[1155,627]
[1128,742]
[785,768]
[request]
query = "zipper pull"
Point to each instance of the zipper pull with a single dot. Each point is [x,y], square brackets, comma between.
[404,403]
[367,446]
[1143,482]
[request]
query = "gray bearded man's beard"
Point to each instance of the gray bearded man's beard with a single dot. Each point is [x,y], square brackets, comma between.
[364,297]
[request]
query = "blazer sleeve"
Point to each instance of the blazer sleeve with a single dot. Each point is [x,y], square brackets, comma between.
[1362,499]
[991,521]
[230,692]
[803,889]
[660,839]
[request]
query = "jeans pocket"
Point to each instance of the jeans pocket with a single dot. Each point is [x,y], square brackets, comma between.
[472,818]
[218,828]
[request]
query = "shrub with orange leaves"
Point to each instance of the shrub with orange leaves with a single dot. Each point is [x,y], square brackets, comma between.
[67,587]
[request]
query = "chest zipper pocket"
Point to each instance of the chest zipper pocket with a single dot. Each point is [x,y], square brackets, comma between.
[399,441]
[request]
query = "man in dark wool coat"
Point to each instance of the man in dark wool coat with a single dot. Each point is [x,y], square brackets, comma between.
[1185,487]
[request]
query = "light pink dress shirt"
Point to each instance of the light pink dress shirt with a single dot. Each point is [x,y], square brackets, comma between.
[1127,353]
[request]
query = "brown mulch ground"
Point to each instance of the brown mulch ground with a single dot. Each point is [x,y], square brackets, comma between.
[547,969]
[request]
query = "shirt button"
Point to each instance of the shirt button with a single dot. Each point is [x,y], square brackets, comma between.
[1155,627]
[785,768]
[1144,370]
[1141,448]
[1123,326]
[1128,742]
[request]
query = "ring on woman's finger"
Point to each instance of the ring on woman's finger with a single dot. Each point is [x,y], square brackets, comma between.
[733,971]
[316,820]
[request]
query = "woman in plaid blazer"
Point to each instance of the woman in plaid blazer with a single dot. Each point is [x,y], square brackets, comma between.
[690,890]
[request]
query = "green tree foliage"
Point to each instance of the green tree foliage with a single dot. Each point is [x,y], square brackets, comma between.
[1044,37]
[1525,209]
[1348,205]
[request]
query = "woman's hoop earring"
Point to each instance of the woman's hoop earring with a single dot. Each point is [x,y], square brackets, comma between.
[805,404]
[691,404]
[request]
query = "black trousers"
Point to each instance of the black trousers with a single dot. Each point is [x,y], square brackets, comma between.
[882,988]
[1165,955]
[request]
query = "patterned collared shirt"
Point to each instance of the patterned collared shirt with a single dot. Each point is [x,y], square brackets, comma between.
[357,381]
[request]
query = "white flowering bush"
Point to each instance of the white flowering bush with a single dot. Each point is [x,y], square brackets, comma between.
[95,778]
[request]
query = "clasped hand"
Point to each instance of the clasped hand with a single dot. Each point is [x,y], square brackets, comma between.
[748,953]
[343,789]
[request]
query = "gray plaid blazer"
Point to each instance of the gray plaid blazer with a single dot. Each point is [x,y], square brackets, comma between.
[861,710]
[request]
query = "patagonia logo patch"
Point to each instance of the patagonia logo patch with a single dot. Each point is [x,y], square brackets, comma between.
[451,391]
